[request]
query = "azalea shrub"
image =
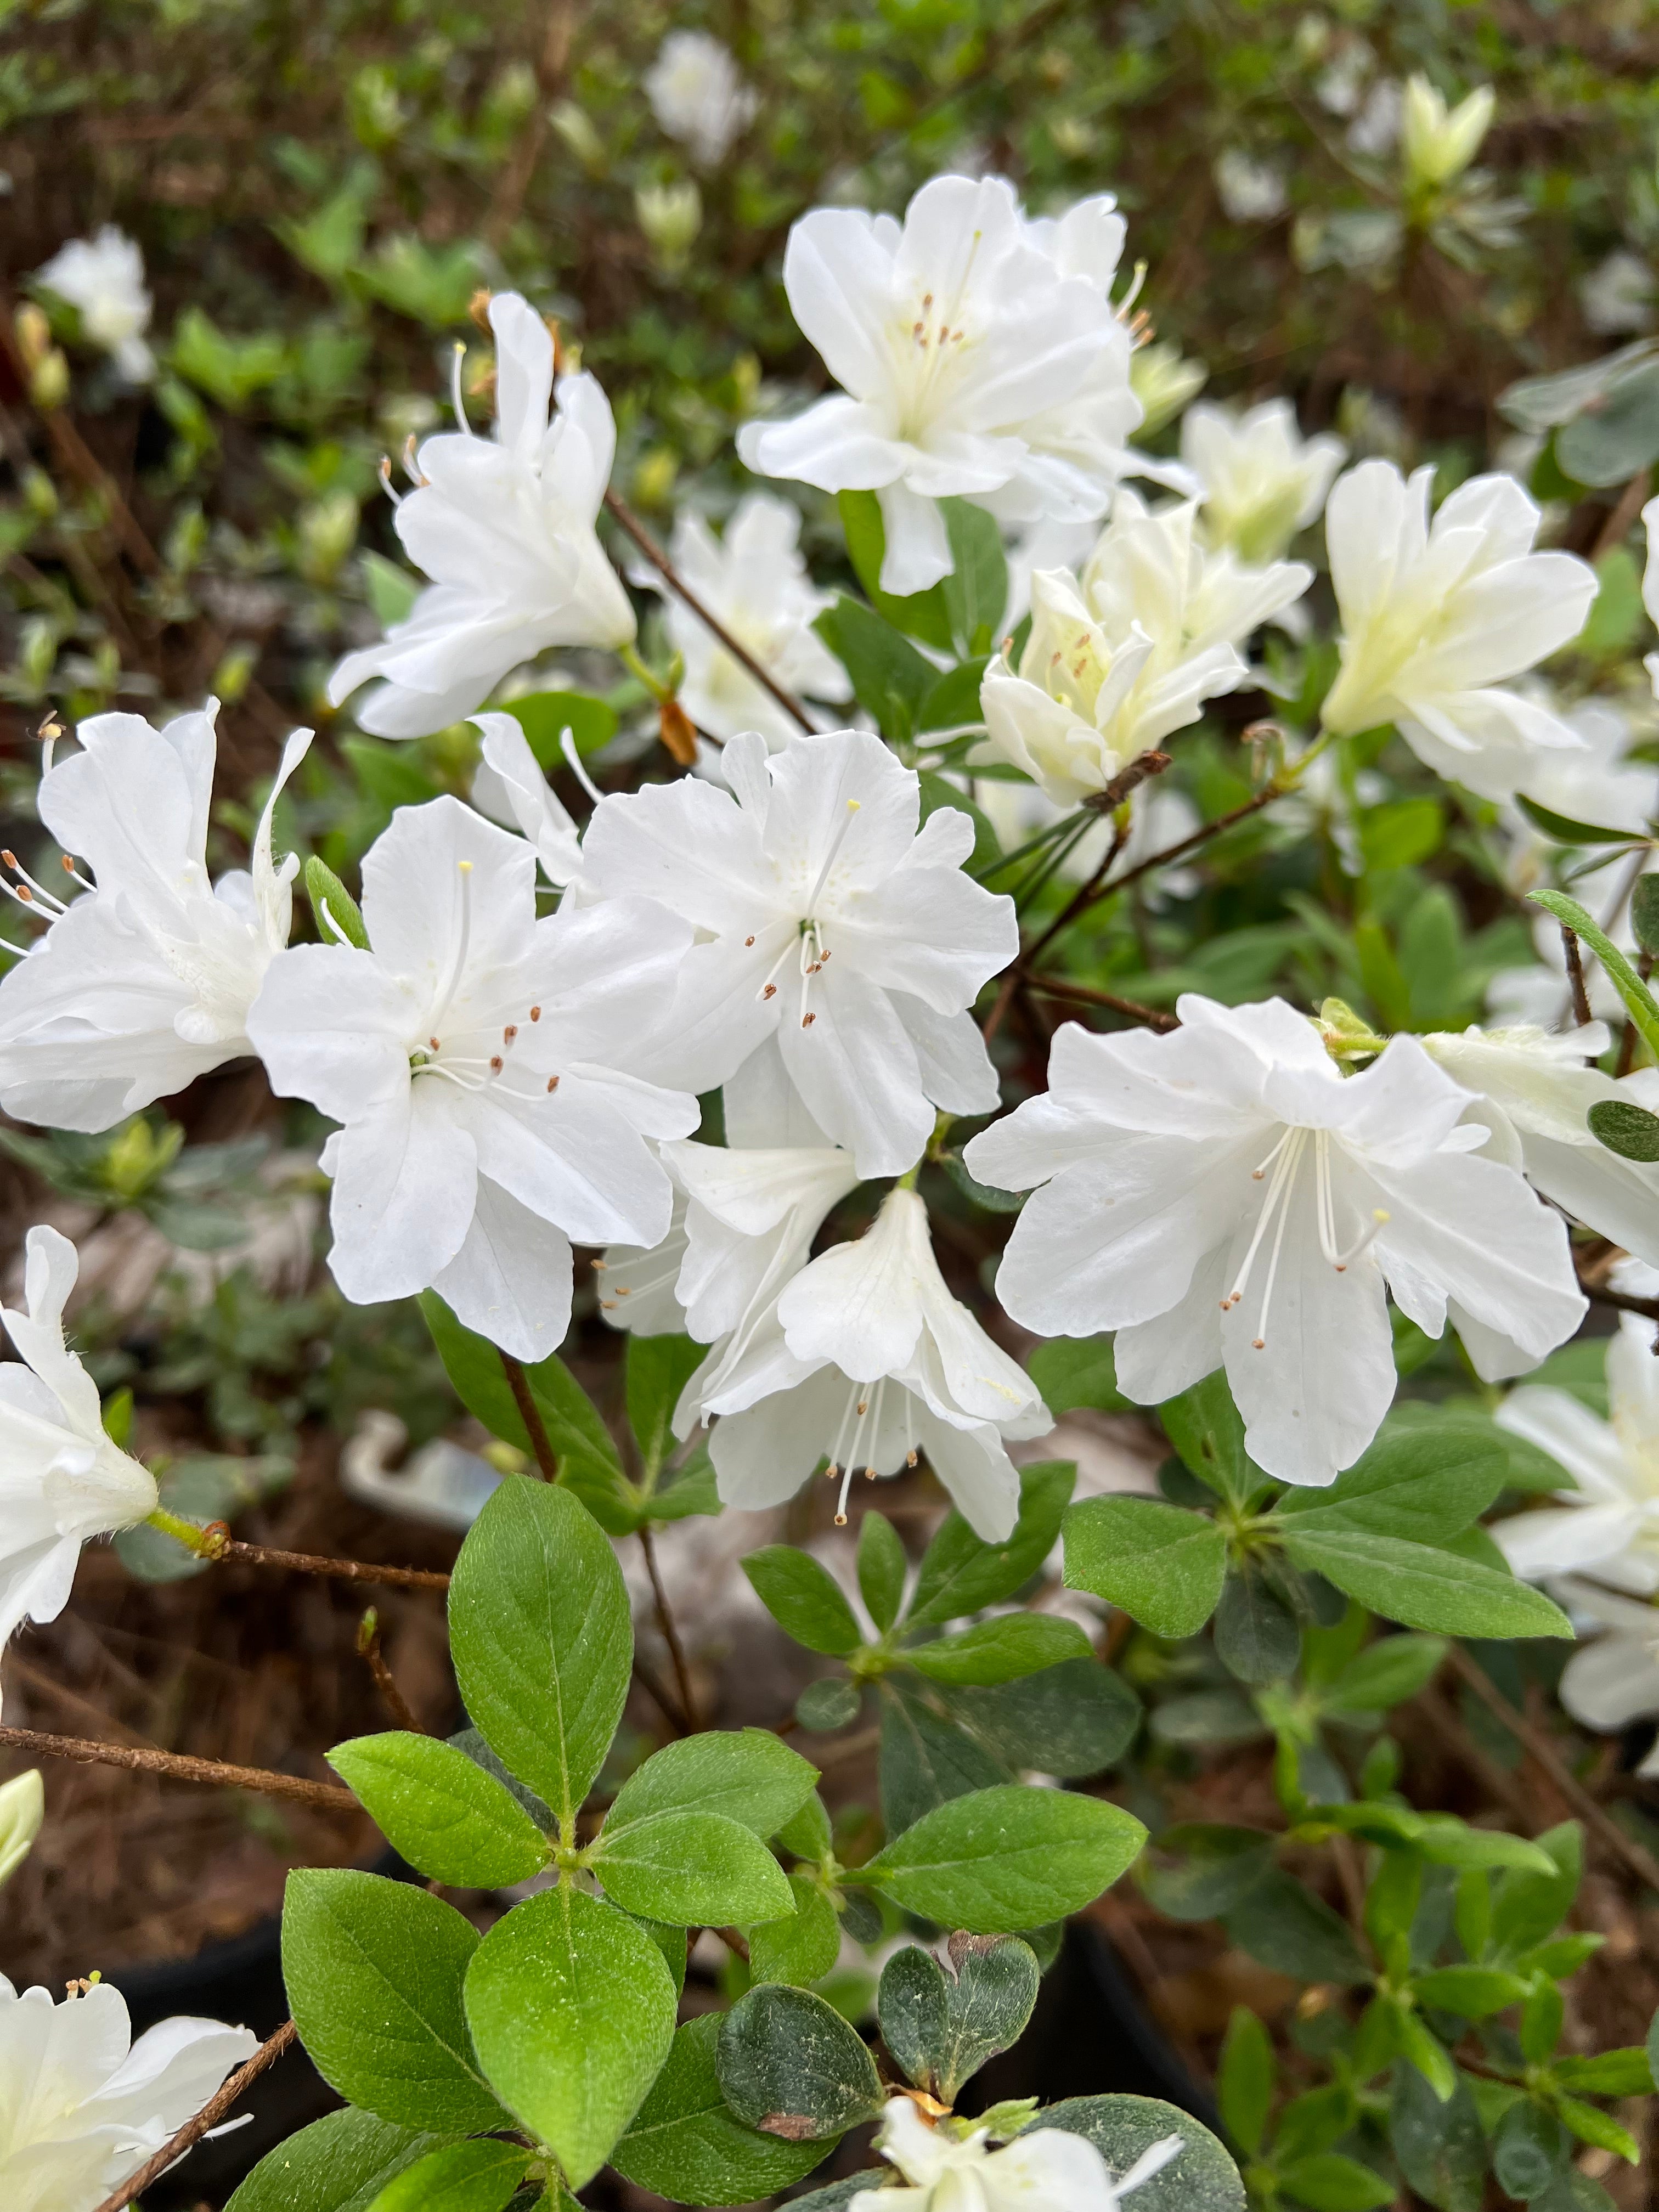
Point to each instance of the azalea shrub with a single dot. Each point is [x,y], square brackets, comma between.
[963,913]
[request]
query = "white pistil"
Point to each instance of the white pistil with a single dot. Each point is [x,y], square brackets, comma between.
[835,844]
[462,947]
[456,397]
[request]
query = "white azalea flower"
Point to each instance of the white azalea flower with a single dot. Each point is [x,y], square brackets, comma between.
[1120,658]
[144,981]
[504,527]
[755,581]
[22,1812]
[824,920]
[866,1356]
[1650,584]
[104,279]
[1262,480]
[698,95]
[480,1062]
[1223,1196]
[1617,296]
[81,2110]
[65,1481]
[1612,1679]
[1534,1092]
[509,787]
[1608,1525]
[1435,618]
[1438,144]
[1249,190]
[1043,2170]
[978,356]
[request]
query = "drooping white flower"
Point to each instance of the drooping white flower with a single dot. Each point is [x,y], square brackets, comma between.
[1617,295]
[755,581]
[144,981]
[1534,1091]
[1608,1525]
[1223,1196]
[22,1811]
[104,279]
[62,1480]
[1249,190]
[1041,2170]
[504,527]
[1436,618]
[1262,480]
[698,95]
[480,1062]
[865,1356]
[1437,144]
[509,787]
[824,920]
[81,2105]
[978,356]
[1119,657]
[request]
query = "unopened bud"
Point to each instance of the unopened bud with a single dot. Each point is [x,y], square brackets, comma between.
[477,307]
[49,383]
[1163,382]
[574,127]
[33,334]
[22,1808]
[678,733]
[671,216]
[1435,144]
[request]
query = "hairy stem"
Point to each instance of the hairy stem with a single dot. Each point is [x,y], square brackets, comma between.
[671,1634]
[215,1542]
[530,1414]
[332,1796]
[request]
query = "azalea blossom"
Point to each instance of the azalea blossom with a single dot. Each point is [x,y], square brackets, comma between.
[826,919]
[103,277]
[1608,1525]
[22,1811]
[509,787]
[65,1481]
[865,1356]
[1610,1679]
[978,356]
[1118,659]
[1435,617]
[1533,1092]
[1262,481]
[698,95]
[1222,1196]
[755,581]
[1041,2170]
[144,981]
[81,2105]
[480,1062]
[1437,144]
[504,527]
[1650,584]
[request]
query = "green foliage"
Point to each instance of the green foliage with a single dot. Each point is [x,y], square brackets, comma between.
[687,2144]
[943,2025]
[441,1811]
[1003,1859]
[790,2066]
[339,2163]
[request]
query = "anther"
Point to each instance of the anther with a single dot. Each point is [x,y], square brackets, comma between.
[807,1020]
[748,941]
[433,1044]
[770,992]
[552,1084]
[386,485]
[535,1013]
[864,1407]
[910,1459]
[840,1519]
[496,1063]
[510,1033]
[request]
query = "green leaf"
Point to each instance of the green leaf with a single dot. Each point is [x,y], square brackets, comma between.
[1564,830]
[882,1569]
[443,1812]
[936,794]
[800,1948]
[961,1574]
[1592,2126]
[338,2164]
[1328,2181]
[1206,1429]
[1384,1674]
[691,1869]
[923,614]
[1202,2178]
[1425,1587]
[975,593]
[343,916]
[1257,1637]
[390,591]
[1245,2083]
[468,2177]
[808,1835]
[686,2144]
[1314,2121]
[1530,2148]
[1072,1371]
[1008,1858]
[791,2066]
[544,716]
[1525,1907]
[803,1598]
[1441,2148]
[1638,999]
[1200,1870]
[541,1638]
[1280,1922]
[1002,1650]
[657,1369]
[925,1760]
[694,1489]
[828,1703]
[1624,2073]
[889,677]
[386,772]
[1608,443]
[1162,1565]
[572,2009]
[942,2026]
[1073,1720]
[1644,911]
[1422,1483]
[374,1971]
[1625,1128]
[1446,1841]
[1472,1991]
[747,1775]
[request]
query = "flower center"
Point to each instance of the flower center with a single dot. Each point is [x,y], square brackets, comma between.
[1284,1159]
[864,1403]
[933,342]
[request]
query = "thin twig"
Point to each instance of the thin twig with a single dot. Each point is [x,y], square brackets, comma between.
[530,1414]
[1616,528]
[368,1643]
[1200,836]
[209,2116]
[1060,987]
[671,1634]
[652,1681]
[660,561]
[216,1772]
[1581,1005]
[1641,1862]
[312,1563]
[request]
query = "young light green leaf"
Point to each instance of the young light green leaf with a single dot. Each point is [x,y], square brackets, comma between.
[1008,1858]
[882,1569]
[1162,1565]
[747,1774]
[960,1573]
[1002,1650]
[374,1971]
[338,914]
[691,1869]
[541,1638]
[338,2164]
[571,2008]
[803,1598]
[469,2177]
[791,2066]
[1423,1586]
[686,2144]
[801,1948]
[441,1811]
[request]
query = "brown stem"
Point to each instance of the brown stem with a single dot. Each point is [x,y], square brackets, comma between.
[1581,1005]
[660,561]
[1200,836]
[1056,986]
[1495,1780]
[1640,1863]
[652,1681]
[1614,530]
[530,1414]
[334,1796]
[671,1634]
[368,1643]
[211,2113]
[1627,1040]
[312,1563]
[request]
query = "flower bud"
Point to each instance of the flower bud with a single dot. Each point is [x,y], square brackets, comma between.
[678,736]
[1163,382]
[671,216]
[49,382]
[575,127]
[1436,145]
[33,334]
[22,1808]
[326,532]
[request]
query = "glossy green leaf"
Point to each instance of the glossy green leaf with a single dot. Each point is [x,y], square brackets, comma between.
[1202,2179]
[961,1574]
[685,2142]
[803,1598]
[1001,1650]
[790,2065]
[1162,1565]
[691,1869]
[469,2177]
[440,1810]
[338,2164]
[1424,1587]
[883,1568]
[1008,1858]
[802,1947]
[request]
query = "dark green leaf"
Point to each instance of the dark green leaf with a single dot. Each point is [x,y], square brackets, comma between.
[1245,2080]
[1202,2178]
[1425,1587]
[801,1948]
[889,677]
[1205,1428]
[338,2164]
[1644,911]
[1163,1565]
[440,1810]
[943,2025]
[803,1598]
[1625,1128]
[1528,1907]
[1470,1991]
[1256,1635]
[790,2065]
[1608,443]
[925,1760]
[1008,1858]
[1529,2149]
[1564,830]
[923,614]
[976,592]
[1002,1650]
[658,1370]
[1385,1674]
[1281,1922]
[961,1574]
[1441,2148]
[1073,1720]
[686,2144]
[829,1704]
[1421,1482]
[1329,2181]
[1200,1870]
